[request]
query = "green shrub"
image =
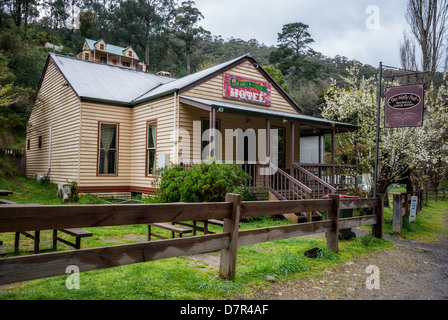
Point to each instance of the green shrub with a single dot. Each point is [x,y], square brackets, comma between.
[7,167]
[169,184]
[203,183]
[90,199]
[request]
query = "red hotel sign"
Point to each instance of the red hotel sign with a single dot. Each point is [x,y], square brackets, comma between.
[244,89]
[404,106]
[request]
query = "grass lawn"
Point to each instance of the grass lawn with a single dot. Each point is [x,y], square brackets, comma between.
[191,277]
[428,225]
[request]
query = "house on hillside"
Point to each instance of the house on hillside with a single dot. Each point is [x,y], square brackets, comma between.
[110,128]
[102,52]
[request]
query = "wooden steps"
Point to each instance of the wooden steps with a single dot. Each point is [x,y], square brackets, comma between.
[299,217]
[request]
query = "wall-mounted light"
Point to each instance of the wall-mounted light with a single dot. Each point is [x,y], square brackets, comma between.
[220,109]
[65,84]
[284,120]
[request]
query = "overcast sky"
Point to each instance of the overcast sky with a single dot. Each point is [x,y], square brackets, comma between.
[368,31]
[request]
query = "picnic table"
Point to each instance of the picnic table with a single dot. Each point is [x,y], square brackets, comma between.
[5,192]
[75,232]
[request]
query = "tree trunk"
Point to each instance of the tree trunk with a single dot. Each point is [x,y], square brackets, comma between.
[73,16]
[26,14]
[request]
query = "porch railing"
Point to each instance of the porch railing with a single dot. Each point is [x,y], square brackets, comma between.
[286,187]
[319,187]
[340,176]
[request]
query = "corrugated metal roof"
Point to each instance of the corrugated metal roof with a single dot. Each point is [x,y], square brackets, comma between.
[96,81]
[233,107]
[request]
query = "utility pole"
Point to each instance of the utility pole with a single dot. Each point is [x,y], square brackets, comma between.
[375,174]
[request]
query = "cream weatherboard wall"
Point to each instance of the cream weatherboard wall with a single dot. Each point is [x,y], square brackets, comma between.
[162,112]
[132,124]
[57,107]
[91,116]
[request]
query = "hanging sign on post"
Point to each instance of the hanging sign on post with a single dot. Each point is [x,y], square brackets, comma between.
[404,106]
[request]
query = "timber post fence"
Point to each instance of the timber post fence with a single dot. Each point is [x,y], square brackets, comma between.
[18,218]
[402,208]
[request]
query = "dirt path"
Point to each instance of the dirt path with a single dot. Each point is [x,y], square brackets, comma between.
[408,271]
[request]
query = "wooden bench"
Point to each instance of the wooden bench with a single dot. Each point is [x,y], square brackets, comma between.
[5,192]
[216,222]
[76,232]
[195,227]
[173,228]
[35,237]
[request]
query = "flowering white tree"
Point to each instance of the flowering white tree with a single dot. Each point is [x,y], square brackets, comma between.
[423,149]
[429,151]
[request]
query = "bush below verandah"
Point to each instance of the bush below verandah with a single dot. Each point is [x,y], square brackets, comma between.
[203,183]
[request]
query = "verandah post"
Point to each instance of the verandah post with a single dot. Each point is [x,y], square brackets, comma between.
[333,215]
[227,266]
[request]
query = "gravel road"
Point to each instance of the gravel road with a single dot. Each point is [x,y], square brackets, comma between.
[410,270]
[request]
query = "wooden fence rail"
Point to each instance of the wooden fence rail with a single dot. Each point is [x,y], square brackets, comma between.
[37,217]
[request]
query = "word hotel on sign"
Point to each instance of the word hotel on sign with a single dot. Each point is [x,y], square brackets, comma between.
[248,96]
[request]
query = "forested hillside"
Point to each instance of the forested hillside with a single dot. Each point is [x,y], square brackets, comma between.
[165,34]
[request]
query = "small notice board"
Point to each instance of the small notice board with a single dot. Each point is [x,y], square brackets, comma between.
[413,211]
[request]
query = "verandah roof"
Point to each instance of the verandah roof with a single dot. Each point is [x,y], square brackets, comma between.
[308,124]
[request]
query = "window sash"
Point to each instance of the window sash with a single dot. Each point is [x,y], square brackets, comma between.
[151,162]
[108,149]
[151,146]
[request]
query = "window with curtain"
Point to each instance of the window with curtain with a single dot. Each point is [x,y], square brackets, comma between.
[108,149]
[151,141]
